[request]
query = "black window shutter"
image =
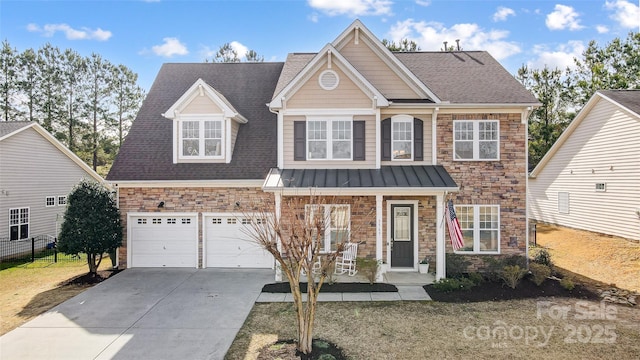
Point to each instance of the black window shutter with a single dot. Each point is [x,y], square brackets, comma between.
[299,140]
[358,140]
[418,140]
[386,139]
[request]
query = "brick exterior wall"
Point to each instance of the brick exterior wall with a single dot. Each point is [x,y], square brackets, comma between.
[500,182]
[198,200]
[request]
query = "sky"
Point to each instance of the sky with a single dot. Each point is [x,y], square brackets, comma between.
[144,34]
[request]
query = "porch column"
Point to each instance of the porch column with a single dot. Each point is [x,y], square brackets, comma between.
[440,245]
[278,204]
[379,234]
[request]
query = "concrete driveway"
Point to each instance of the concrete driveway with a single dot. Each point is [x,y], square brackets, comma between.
[144,314]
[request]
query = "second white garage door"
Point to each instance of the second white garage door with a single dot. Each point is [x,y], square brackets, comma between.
[227,245]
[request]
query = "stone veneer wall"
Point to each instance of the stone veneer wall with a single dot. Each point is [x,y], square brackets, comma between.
[200,200]
[500,182]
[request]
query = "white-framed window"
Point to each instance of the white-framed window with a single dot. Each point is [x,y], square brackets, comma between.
[476,140]
[601,187]
[336,220]
[402,137]
[480,225]
[201,139]
[18,223]
[563,203]
[62,200]
[329,138]
[50,201]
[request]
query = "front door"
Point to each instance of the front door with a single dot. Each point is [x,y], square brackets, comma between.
[402,235]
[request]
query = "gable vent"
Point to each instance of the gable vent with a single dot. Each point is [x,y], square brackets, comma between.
[328,80]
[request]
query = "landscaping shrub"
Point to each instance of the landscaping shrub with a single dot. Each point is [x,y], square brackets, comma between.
[511,275]
[456,265]
[368,267]
[476,277]
[539,272]
[567,283]
[453,284]
[542,256]
[494,265]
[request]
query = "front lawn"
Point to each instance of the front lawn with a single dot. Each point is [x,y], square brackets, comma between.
[28,290]
[535,329]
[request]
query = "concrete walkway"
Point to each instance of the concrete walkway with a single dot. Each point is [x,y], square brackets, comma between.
[405,293]
[144,314]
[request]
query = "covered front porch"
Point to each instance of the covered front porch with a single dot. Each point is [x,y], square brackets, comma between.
[400,207]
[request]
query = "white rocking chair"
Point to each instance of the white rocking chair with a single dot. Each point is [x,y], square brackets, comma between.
[346,261]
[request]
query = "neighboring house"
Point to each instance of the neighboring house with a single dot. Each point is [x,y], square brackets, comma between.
[590,178]
[399,132]
[37,173]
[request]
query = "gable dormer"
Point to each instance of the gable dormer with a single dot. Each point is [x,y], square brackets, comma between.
[205,125]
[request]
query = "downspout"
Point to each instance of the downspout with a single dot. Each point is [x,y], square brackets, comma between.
[525,121]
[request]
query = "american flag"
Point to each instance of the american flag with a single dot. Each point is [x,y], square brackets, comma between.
[455,233]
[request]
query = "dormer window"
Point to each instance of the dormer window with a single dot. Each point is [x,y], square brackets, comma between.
[201,139]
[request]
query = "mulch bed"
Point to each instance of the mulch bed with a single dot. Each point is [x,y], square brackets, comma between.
[90,279]
[283,287]
[526,289]
[286,350]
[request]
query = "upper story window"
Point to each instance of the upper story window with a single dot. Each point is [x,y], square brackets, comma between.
[476,140]
[50,201]
[201,139]
[402,137]
[329,138]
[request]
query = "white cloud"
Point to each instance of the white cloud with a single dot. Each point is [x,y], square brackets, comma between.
[602,29]
[49,30]
[626,14]
[240,49]
[502,13]
[431,35]
[352,7]
[423,2]
[561,57]
[563,17]
[171,46]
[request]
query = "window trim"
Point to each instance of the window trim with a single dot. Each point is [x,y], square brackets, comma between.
[601,189]
[62,200]
[53,201]
[403,119]
[201,120]
[476,140]
[476,231]
[309,209]
[19,224]
[329,120]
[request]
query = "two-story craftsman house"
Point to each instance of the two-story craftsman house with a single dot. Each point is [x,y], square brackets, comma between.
[401,132]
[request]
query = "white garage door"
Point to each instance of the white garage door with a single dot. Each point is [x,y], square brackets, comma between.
[164,240]
[228,245]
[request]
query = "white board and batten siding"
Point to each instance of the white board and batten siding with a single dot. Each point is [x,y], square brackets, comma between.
[604,148]
[31,169]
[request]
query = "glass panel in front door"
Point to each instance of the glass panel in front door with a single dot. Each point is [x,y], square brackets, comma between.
[402,223]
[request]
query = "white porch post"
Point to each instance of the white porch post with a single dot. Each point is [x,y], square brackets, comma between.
[277,215]
[440,245]
[379,239]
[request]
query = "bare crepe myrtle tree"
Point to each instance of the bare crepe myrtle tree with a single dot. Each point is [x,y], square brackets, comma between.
[296,239]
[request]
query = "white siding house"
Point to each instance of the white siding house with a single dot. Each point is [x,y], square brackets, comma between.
[590,178]
[37,173]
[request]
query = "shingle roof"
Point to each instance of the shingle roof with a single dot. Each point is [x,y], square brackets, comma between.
[146,153]
[7,127]
[627,98]
[473,77]
[417,176]
[459,77]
